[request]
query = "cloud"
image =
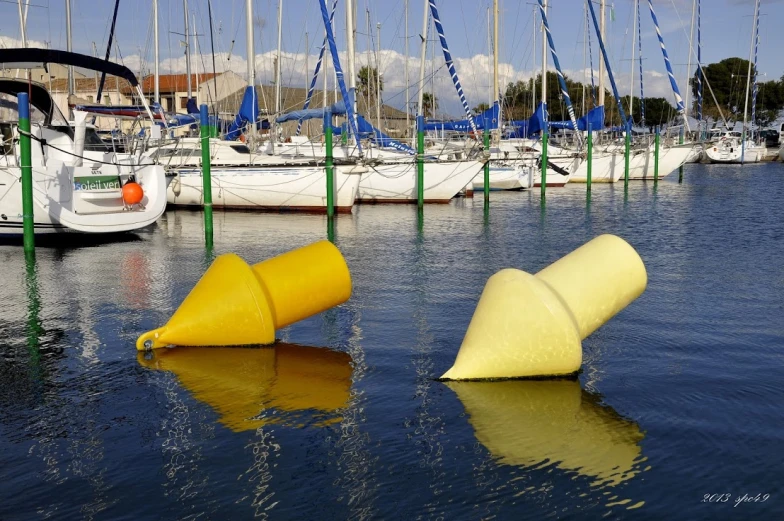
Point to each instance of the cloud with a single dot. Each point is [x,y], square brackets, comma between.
[476,75]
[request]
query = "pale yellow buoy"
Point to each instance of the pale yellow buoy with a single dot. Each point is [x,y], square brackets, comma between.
[532,325]
[235,304]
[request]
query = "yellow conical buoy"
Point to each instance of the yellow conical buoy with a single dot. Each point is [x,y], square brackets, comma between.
[532,325]
[241,385]
[236,304]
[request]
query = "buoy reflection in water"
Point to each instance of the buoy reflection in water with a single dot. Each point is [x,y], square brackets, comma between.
[251,387]
[526,423]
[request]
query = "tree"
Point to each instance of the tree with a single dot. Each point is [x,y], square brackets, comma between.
[429,104]
[519,102]
[367,81]
[480,108]
[727,79]
[658,111]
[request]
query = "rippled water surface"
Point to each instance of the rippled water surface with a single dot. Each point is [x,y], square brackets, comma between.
[679,398]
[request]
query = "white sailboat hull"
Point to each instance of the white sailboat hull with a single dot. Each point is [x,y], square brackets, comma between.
[504,178]
[732,153]
[301,188]
[396,182]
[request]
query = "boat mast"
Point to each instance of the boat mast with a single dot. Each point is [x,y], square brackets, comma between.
[198,53]
[748,75]
[602,16]
[352,72]
[157,75]
[187,50]
[544,63]
[631,75]
[408,95]
[277,61]
[422,57]
[250,61]
[378,76]
[496,92]
[22,24]
[68,46]
[691,46]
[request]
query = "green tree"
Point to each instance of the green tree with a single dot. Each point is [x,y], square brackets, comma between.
[519,102]
[727,79]
[367,81]
[429,104]
[481,108]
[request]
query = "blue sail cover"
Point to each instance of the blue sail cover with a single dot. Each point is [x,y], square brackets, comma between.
[338,108]
[527,128]
[489,116]
[247,115]
[191,107]
[595,117]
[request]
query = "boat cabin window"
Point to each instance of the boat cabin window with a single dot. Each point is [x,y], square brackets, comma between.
[9,110]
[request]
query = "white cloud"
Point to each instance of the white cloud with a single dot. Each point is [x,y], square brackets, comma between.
[475,74]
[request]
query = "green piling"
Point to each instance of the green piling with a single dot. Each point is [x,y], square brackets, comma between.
[544,162]
[627,146]
[26,162]
[486,183]
[205,173]
[420,161]
[656,156]
[589,158]
[680,170]
[329,164]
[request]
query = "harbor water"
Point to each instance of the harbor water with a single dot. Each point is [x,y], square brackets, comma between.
[675,415]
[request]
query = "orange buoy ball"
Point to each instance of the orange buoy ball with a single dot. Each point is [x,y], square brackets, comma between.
[132,193]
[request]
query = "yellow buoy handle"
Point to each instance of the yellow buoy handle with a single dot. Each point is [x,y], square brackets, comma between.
[151,340]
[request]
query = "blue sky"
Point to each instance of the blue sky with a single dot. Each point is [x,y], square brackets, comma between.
[726,31]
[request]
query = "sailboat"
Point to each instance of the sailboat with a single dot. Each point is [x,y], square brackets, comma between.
[389,168]
[609,166]
[732,149]
[73,190]
[245,176]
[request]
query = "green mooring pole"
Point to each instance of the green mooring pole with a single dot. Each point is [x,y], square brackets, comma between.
[627,145]
[420,161]
[329,162]
[205,173]
[589,158]
[486,183]
[656,156]
[544,162]
[26,162]
[680,142]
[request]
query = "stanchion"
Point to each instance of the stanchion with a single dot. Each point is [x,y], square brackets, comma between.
[26,162]
[205,173]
